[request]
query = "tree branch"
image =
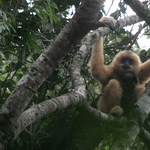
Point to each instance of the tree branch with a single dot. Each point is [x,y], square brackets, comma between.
[140,9]
[105,30]
[45,108]
[74,97]
[145,136]
[74,31]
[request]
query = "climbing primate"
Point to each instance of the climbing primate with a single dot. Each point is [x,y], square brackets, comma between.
[122,82]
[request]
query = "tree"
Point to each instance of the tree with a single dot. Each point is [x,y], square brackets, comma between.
[48,96]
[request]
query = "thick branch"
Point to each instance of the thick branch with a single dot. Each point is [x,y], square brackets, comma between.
[74,31]
[45,108]
[76,96]
[140,9]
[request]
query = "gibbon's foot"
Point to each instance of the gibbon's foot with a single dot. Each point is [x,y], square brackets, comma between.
[109,22]
[116,111]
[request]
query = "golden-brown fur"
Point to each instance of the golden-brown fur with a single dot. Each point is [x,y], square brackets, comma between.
[109,76]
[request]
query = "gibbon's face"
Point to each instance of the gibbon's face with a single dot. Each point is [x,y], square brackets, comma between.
[126,61]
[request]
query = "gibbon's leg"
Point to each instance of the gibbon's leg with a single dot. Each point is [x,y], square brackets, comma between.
[110,100]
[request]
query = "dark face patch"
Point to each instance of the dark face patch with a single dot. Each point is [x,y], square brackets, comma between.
[127,60]
[126,63]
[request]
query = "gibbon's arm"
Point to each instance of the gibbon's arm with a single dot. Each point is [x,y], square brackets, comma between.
[98,70]
[144,72]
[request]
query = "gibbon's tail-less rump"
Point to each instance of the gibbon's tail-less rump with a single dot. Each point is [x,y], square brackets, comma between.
[123,82]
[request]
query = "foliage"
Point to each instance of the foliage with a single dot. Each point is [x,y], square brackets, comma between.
[26,29]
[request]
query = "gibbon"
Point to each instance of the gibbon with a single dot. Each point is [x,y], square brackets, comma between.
[122,82]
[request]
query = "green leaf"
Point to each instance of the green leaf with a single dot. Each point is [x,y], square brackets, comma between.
[53,5]
[148,52]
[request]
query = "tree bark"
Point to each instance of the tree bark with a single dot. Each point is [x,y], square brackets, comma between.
[140,9]
[72,33]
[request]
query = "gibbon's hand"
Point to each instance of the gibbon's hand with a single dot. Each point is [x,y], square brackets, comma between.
[109,22]
[130,77]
